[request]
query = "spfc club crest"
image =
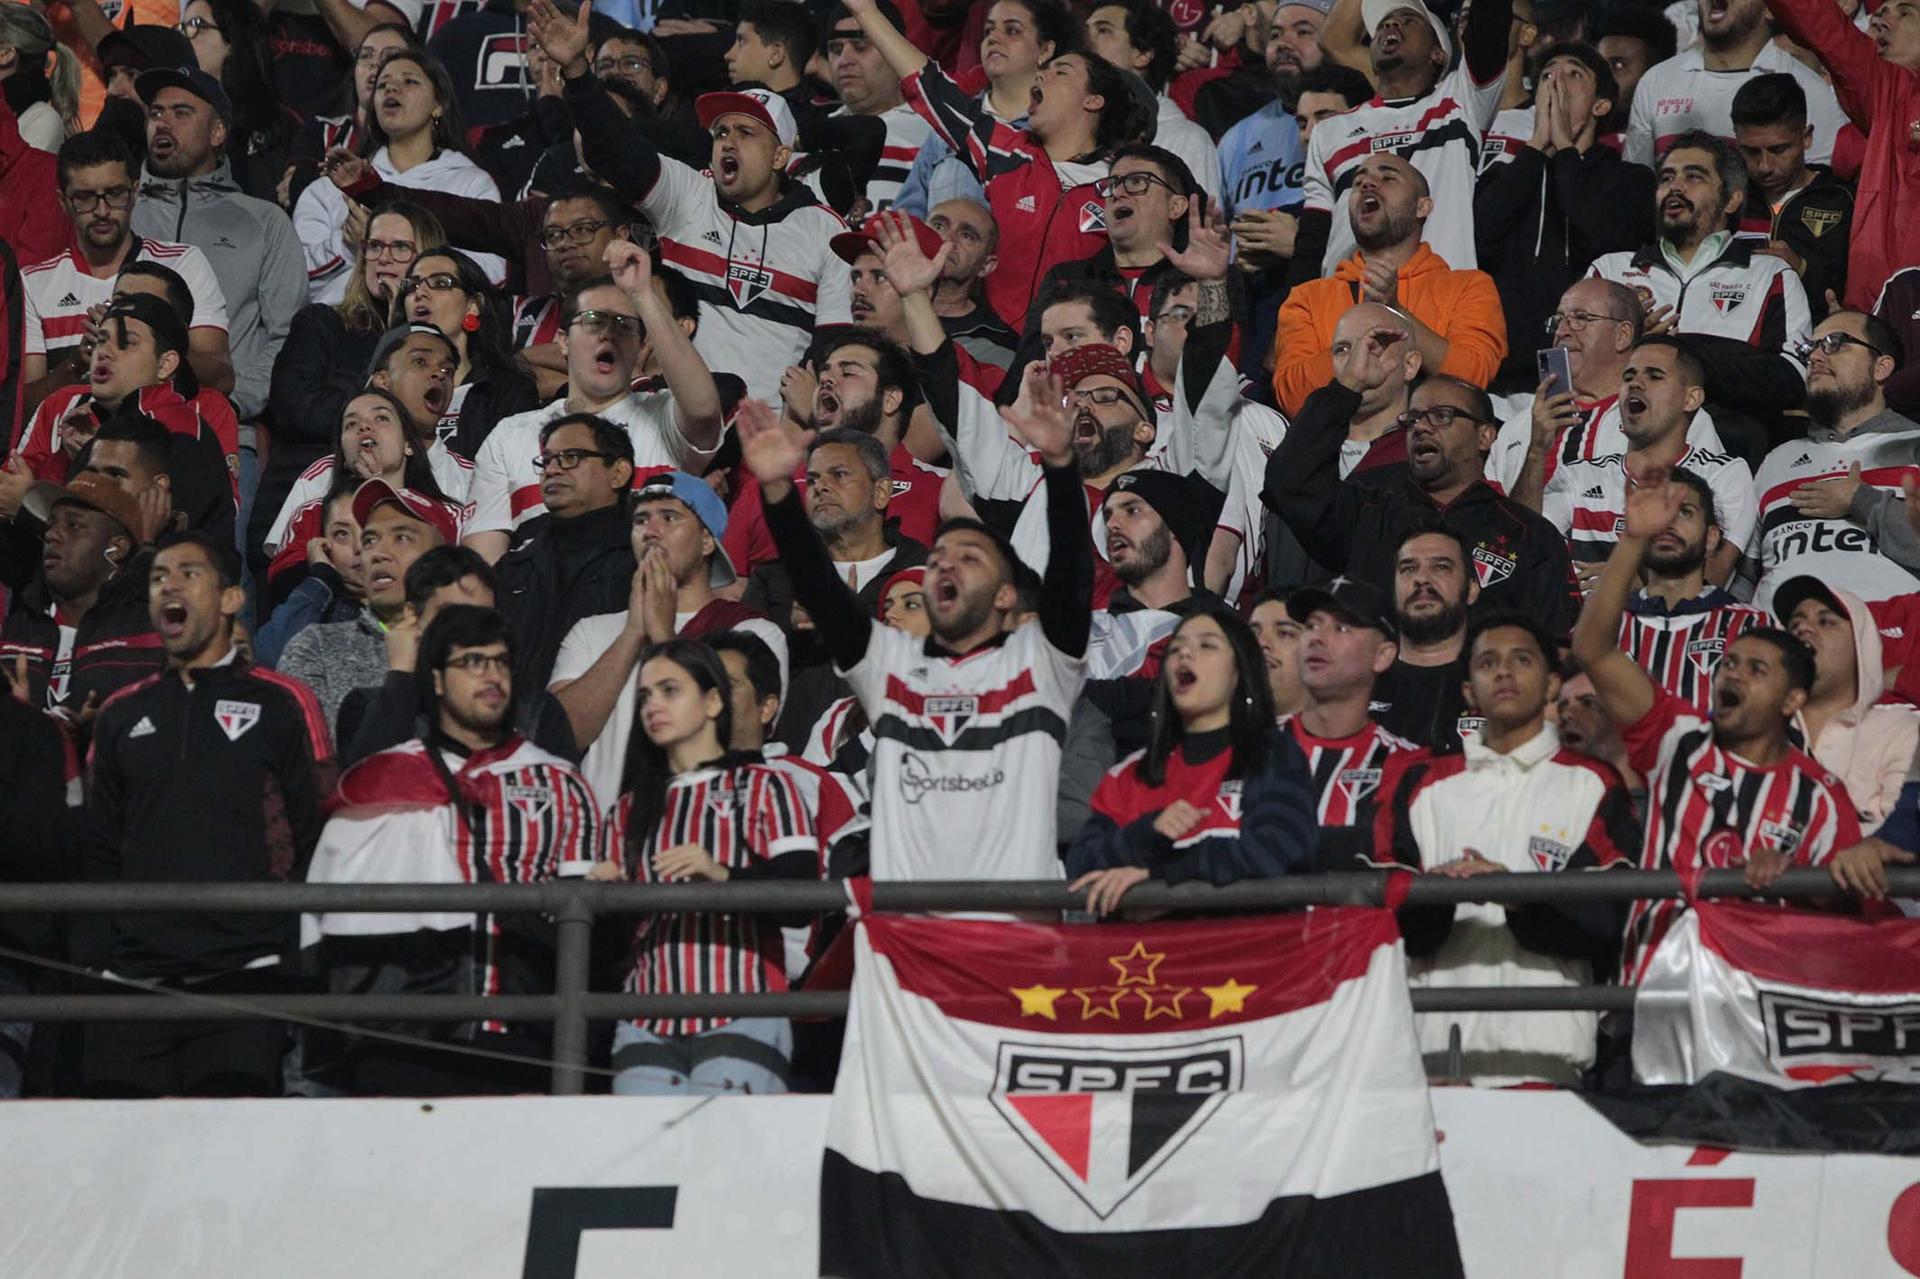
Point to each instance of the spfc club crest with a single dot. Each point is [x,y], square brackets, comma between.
[530,801]
[1358,783]
[1548,854]
[1726,297]
[949,714]
[1705,653]
[1093,217]
[235,718]
[1105,1120]
[747,282]
[1490,566]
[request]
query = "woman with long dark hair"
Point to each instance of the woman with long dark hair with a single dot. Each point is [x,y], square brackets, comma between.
[322,135]
[230,42]
[323,362]
[1218,794]
[691,809]
[376,440]
[448,289]
[420,141]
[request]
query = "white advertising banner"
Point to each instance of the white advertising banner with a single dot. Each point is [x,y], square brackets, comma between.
[599,1188]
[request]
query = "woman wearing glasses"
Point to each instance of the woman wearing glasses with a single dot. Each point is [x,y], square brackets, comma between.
[447,289]
[323,362]
[415,124]
[229,39]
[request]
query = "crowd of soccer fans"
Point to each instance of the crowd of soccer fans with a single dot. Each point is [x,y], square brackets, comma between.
[478,442]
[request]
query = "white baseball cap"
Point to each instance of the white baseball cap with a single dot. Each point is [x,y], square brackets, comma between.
[1372,11]
[764,105]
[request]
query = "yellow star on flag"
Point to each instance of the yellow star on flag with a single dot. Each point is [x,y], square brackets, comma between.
[1131,964]
[1230,998]
[1037,1001]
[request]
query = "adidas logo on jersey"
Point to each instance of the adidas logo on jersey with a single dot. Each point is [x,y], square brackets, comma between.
[1595,491]
[1805,459]
[711,236]
[68,300]
[1258,148]
[144,728]
[1025,204]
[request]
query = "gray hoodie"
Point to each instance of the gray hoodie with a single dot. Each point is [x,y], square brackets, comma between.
[255,255]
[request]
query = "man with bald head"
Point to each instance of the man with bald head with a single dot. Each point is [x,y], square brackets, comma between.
[1453,318]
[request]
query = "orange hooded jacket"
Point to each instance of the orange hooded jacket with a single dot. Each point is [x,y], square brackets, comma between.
[1461,306]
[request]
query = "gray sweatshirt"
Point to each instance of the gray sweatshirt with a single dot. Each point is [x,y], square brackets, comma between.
[255,255]
[334,658]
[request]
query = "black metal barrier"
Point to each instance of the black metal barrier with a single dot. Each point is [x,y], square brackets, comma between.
[575,904]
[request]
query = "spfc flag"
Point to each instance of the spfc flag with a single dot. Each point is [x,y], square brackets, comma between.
[1223,1098]
[1786,997]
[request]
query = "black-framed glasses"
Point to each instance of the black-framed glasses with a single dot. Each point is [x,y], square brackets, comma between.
[631,64]
[606,323]
[436,282]
[113,197]
[567,459]
[1439,417]
[1137,183]
[404,250]
[1577,320]
[480,663]
[576,233]
[1104,396]
[1833,343]
[191,27]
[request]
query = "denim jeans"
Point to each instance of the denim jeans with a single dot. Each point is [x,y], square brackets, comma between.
[750,1055]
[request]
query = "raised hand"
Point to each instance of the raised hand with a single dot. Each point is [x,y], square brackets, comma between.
[1040,415]
[772,450]
[662,596]
[797,386]
[1552,414]
[1380,282]
[1367,362]
[1653,500]
[1660,320]
[343,168]
[156,513]
[630,267]
[15,479]
[908,269]
[403,641]
[1207,255]
[562,38]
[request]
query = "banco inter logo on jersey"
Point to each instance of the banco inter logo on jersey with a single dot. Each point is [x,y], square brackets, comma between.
[1105,1120]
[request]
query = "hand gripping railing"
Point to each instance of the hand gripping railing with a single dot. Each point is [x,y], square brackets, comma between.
[574,904]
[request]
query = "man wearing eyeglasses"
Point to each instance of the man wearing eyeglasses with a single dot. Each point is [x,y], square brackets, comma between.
[1356,526]
[1147,191]
[411,814]
[575,560]
[611,323]
[1831,504]
[65,296]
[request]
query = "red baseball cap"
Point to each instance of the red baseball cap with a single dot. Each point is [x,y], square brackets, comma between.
[421,507]
[849,245]
[764,105]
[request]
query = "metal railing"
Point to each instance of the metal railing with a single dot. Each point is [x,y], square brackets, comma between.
[575,904]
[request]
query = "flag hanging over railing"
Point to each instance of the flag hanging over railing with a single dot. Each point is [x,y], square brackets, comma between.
[1786,997]
[1223,1098]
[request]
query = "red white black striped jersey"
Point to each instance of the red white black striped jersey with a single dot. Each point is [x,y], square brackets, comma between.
[906,134]
[742,815]
[523,816]
[1596,434]
[1587,500]
[1708,809]
[1680,648]
[1347,771]
[536,320]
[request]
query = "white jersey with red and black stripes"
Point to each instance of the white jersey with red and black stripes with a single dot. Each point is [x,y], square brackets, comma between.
[536,320]
[1727,291]
[1680,647]
[907,132]
[1347,771]
[506,483]
[966,753]
[1709,809]
[743,816]
[58,293]
[1787,543]
[1587,500]
[765,282]
[1596,434]
[300,515]
[1439,135]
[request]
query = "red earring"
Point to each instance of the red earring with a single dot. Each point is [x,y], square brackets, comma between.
[470,322]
